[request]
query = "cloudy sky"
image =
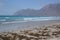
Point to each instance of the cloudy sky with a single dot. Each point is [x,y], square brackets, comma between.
[9,7]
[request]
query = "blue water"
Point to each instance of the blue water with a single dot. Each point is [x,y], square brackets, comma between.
[25,19]
[15,22]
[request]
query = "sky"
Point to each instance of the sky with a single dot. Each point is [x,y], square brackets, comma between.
[9,7]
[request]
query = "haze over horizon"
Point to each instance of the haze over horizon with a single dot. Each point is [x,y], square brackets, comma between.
[9,7]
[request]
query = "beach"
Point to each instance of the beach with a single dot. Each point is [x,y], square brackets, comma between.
[33,30]
[26,25]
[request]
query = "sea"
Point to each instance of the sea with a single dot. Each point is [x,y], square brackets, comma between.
[19,22]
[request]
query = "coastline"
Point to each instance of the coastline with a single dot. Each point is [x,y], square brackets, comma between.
[46,32]
[26,25]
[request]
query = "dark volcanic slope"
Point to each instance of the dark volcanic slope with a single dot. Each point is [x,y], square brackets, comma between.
[48,10]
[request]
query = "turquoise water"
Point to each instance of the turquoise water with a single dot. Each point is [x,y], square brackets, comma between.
[18,22]
[25,19]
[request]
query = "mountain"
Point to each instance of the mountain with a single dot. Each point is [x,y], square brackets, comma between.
[51,10]
[48,10]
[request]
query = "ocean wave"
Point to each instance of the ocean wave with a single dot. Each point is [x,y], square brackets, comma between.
[25,19]
[12,22]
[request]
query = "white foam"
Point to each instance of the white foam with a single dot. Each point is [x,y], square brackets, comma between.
[13,22]
[37,19]
[31,19]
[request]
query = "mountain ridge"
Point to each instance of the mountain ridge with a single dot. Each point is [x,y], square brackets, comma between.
[48,10]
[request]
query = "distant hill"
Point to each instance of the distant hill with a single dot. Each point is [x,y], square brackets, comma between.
[48,10]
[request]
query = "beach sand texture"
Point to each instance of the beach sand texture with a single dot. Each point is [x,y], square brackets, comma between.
[48,32]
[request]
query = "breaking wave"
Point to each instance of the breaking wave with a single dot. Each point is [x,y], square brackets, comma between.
[5,20]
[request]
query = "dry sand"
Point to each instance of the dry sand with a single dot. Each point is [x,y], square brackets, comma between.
[47,32]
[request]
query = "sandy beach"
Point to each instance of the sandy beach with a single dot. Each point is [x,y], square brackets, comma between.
[26,25]
[50,30]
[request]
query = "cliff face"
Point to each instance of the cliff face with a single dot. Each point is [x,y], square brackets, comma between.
[48,10]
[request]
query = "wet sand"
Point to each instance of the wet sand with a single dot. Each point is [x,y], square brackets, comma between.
[46,32]
[26,25]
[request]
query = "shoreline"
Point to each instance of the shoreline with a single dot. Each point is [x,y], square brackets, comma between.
[42,26]
[27,25]
[48,32]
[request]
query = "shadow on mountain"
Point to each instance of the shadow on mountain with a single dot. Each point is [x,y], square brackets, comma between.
[48,10]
